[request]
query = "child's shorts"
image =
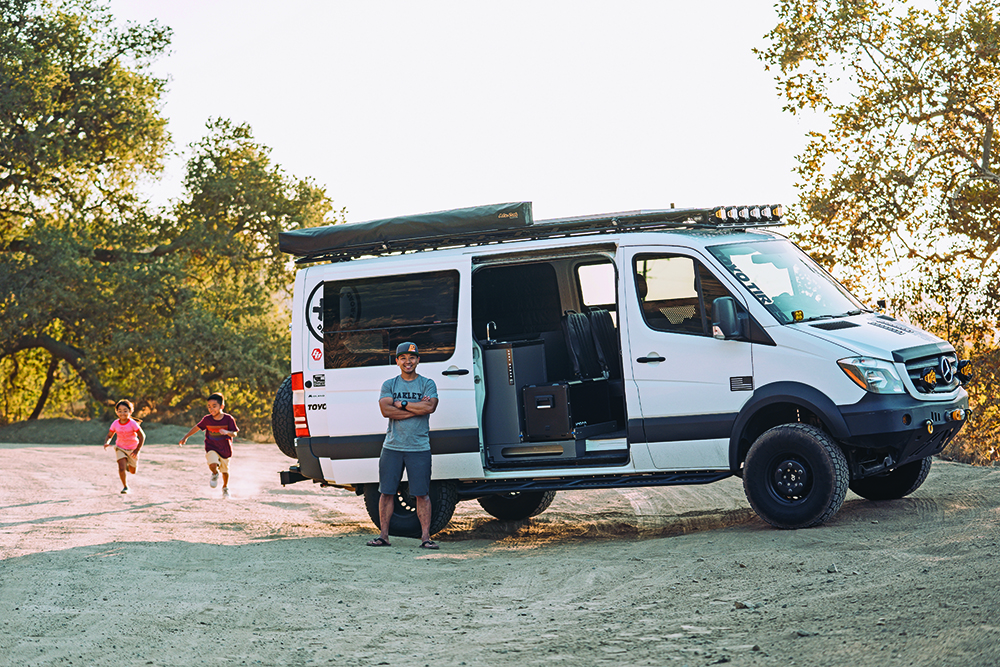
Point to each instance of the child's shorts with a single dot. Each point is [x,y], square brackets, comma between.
[212,456]
[128,455]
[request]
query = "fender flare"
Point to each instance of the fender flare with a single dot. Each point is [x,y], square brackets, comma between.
[794,393]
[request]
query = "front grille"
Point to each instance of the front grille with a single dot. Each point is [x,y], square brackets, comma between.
[915,368]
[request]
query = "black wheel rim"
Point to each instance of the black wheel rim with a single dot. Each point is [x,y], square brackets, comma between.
[790,480]
[405,502]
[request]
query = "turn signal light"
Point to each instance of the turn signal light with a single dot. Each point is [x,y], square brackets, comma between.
[956,415]
[299,406]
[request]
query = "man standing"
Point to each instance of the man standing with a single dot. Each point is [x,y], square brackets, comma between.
[407,400]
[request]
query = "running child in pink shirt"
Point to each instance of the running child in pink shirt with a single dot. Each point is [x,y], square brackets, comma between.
[129,442]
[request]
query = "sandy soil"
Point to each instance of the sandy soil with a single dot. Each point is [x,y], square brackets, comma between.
[172,574]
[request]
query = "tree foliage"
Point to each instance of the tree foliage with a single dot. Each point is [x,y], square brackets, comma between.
[79,112]
[902,192]
[101,297]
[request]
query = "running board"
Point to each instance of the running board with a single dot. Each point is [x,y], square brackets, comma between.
[476,489]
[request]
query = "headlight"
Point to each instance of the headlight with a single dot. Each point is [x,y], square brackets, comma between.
[874,375]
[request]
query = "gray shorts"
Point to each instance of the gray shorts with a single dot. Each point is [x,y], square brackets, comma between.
[418,471]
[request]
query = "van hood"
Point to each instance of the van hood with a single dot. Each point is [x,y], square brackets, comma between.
[871,335]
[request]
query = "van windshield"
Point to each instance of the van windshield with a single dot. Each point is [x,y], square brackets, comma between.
[786,281]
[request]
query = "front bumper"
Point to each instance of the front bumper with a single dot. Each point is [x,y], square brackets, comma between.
[902,427]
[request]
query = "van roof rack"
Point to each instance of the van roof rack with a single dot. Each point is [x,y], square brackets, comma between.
[497,223]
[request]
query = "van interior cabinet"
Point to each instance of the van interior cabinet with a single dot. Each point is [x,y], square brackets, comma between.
[509,367]
[567,410]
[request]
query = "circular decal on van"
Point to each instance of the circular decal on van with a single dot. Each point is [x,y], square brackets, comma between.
[317,354]
[314,311]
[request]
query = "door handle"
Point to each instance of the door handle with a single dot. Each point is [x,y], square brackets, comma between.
[649,360]
[455,371]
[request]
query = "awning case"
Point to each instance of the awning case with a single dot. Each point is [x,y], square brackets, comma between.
[404,233]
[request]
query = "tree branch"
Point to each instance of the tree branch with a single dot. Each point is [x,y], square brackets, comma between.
[987,145]
[50,377]
[71,355]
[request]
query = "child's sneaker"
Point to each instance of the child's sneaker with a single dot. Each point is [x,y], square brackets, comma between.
[225,492]
[214,480]
[124,489]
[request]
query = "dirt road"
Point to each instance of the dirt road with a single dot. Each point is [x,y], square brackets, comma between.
[172,574]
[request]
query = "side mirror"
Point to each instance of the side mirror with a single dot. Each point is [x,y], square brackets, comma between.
[726,324]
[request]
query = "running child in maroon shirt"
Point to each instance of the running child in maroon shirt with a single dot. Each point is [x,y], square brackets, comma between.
[219,428]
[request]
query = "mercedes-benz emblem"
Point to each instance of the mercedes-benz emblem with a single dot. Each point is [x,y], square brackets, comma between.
[947,370]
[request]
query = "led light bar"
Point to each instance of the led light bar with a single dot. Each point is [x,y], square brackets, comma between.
[733,216]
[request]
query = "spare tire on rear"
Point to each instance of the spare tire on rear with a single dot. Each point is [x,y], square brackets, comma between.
[282,419]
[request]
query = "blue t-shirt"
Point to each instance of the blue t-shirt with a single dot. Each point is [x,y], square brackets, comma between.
[413,434]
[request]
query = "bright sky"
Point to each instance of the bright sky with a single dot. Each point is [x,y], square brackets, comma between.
[406,107]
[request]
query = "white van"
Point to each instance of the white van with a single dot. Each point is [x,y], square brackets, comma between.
[647,348]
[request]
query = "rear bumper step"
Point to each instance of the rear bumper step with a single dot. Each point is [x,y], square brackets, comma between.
[291,476]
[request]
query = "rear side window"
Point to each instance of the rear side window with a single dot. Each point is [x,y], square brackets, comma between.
[365,319]
[676,293]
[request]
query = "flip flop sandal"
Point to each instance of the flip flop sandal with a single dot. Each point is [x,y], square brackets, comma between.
[428,544]
[378,542]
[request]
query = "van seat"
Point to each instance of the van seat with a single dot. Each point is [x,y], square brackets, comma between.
[602,326]
[583,353]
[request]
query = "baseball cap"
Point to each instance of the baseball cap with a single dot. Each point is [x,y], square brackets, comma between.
[407,348]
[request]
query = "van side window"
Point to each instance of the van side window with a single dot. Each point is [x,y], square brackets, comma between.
[521,299]
[597,286]
[366,318]
[676,293]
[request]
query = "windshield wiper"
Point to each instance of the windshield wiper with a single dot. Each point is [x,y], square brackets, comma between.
[833,317]
[816,317]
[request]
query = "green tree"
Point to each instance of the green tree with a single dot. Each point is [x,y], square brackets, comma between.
[901,192]
[100,296]
[79,123]
[79,112]
[167,308]
[222,284]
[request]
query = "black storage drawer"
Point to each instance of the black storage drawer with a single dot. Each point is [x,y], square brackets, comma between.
[567,410]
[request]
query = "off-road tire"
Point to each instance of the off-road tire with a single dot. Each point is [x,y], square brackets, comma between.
[517,505]
[404,521]
[282,419]
[795,476]
[901,482]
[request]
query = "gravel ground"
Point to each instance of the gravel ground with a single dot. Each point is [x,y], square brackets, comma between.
[172,574]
